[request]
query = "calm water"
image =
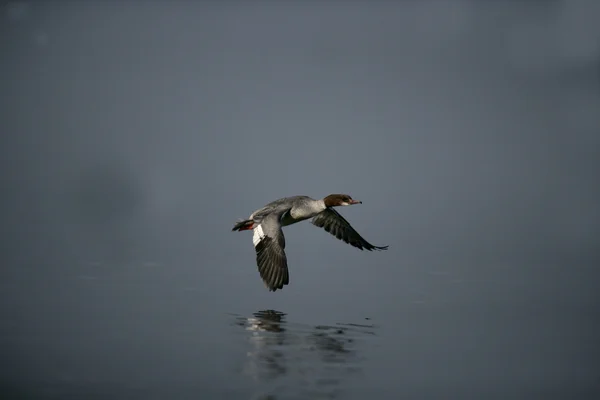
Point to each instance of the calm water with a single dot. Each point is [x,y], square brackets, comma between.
[140,333]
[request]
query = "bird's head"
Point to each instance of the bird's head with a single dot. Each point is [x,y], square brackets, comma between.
[338,200]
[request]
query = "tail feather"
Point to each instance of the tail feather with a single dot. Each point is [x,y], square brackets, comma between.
[243,225]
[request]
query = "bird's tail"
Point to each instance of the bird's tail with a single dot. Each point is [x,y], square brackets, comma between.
[244,225]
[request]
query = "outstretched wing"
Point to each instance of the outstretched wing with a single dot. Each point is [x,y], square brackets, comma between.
[334,223]
[271,260]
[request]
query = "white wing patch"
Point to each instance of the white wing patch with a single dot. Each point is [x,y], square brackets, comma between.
[258,235]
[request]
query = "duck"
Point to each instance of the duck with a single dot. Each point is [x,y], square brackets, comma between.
[267,222]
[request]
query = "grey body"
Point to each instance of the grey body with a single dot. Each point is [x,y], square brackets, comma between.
[290,210]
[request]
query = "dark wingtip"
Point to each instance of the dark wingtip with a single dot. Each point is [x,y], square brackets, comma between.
[274,288]
[376,248]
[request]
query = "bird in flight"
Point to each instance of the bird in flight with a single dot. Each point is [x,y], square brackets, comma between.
[269,242]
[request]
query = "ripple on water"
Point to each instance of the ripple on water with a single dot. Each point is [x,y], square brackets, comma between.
[291,360]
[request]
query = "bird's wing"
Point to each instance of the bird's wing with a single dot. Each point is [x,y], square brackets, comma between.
[271,260]
[334,223]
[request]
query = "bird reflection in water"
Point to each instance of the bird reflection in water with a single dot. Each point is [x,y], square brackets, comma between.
[289,359]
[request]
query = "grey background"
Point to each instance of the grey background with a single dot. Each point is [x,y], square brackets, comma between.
[134,134]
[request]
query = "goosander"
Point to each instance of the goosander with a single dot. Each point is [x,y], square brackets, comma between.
[268,239]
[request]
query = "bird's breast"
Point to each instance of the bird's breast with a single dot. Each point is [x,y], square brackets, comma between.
[290,217]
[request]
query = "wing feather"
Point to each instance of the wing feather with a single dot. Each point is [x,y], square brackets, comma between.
[271,260]
[335,224]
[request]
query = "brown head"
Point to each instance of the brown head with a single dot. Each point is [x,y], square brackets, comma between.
[338,200]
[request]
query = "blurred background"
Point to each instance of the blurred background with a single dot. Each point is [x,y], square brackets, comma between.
[135,134]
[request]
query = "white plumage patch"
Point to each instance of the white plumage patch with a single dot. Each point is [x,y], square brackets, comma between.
[258,235]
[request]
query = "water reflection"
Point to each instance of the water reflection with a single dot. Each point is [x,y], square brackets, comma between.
[291,360]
